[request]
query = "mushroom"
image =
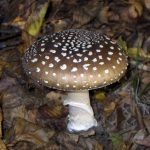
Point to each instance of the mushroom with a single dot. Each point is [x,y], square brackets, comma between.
[76,61]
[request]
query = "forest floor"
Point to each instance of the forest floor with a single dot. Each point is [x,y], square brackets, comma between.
[35,118]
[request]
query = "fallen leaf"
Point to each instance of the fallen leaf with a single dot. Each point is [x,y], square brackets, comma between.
[35,20]
[110,107]
[140,135]
[145,141]
[137,52]
[2,145]
[117,141]
[100,95]
[23,130]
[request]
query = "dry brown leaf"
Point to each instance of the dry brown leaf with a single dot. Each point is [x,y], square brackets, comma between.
[145,141]
[1,118]
[55,95]
[110,107]
[53,115]
[147,4]
[136,8]
[84,14]
[67,140]
[98,146]
[23,130]
[59,24]
[145,77]
[2,145]
[103,14]
[146,120]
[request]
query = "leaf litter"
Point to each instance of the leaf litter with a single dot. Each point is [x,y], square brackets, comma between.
[34,117]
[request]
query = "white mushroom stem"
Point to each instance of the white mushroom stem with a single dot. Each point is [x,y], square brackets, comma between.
[81,116]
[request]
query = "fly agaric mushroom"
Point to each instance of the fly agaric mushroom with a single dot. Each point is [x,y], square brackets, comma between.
[76,61]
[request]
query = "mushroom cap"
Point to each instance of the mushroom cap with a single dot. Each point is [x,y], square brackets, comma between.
[75,59]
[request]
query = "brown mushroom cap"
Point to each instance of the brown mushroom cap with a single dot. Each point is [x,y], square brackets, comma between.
[75,59]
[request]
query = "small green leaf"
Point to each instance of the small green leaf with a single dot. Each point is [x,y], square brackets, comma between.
[100,95]
[122,44]
[35,20]
[117,141]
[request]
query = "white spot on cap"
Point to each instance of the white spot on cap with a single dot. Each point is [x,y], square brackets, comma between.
[55,45]
[42,49]
[88,46]
[75,60]
[45,81]
[64,49]
[120,54]
[64,78]
[101,46]
[34,60]
[101,63]
[108,58]
[38,69]
[70,52]
[99,75]
[66,44]
[90,53]
[82,75]
[107,37]
[113,42]
[57,59]
[53,51]
[64,54]
[74,69]
[42,44]
[74,76]
[111,47]
[106,71]
[50,65]
[59,44]
[43,62]
[85,66]
[100,57]
[120,58]
[46,72]
[63,67]
[76,49]
[54,74]
[91,76]
[104,82]
[110,53]
[46,57]
[94,68]
[79,54]
[94,60]
[98,50]
[114,67]
[118,62]
[85,58]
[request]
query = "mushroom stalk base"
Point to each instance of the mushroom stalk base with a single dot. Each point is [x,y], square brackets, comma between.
[81,116]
